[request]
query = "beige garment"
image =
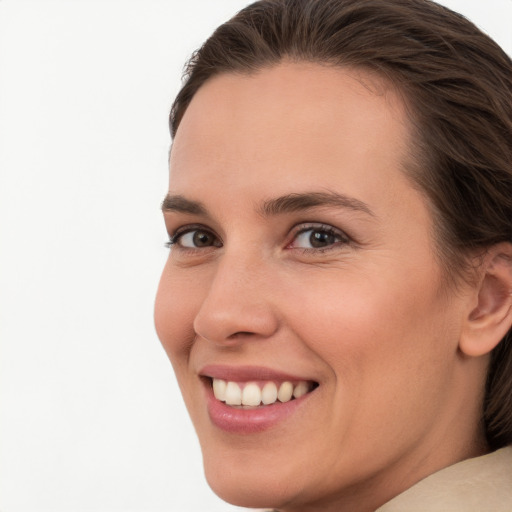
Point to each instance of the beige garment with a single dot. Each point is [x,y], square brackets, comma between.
[482,484]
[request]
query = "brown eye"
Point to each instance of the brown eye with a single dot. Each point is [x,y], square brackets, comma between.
[318,238]
[202,239]
[195,239]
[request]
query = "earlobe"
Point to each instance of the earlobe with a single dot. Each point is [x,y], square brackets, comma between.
[489,321]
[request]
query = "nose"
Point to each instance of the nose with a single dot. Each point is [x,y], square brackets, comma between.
[238,304]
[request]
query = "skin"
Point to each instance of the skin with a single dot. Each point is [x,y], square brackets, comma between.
[367,316]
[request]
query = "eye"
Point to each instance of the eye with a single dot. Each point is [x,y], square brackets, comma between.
[318,237]
[190,238]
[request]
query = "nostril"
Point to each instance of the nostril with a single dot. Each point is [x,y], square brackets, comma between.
[228,316]
[240,334]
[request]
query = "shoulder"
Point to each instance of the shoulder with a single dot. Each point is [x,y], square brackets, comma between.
[482,483]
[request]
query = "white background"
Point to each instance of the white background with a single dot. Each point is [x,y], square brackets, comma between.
[90,413]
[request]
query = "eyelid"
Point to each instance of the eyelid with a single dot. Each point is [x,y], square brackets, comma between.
[319,226]
[345,239]
[176,235]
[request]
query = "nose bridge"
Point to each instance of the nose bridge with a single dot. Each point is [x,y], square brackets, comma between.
[238,301]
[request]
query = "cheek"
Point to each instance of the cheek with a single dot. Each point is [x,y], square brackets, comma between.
[380,334]
[356,309]
[388,351]
[175,307]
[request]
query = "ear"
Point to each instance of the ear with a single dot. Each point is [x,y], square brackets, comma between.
[491,318]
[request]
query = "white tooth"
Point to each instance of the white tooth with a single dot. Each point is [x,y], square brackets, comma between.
[219,389]
[300,389]
[251,395]
[233,394]
[285,392]
[269,393]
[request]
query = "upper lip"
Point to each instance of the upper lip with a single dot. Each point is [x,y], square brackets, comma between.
[248,373]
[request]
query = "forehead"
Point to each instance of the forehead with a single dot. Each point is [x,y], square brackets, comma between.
[295,124]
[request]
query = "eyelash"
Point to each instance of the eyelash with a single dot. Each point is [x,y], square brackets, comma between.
[342,238]
[320,228]
[175,238]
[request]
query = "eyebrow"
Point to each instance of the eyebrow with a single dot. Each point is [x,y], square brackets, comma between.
[180,204]
[288,203]
[299,202]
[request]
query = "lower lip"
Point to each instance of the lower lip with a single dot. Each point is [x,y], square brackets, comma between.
[249,421]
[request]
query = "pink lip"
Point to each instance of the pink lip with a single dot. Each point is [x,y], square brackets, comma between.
[247,373]
[248,421]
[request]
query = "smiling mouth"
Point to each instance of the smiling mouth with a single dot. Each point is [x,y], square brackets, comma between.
[254,394]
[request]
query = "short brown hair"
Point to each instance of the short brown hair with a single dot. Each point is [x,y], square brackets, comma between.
[457,83]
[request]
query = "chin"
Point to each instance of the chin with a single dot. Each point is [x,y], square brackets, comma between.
[241,496]
[240,491]
[250,480]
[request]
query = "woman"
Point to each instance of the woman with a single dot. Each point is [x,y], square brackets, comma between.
[337,302]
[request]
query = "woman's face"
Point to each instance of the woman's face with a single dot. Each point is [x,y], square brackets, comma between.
[301,253]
